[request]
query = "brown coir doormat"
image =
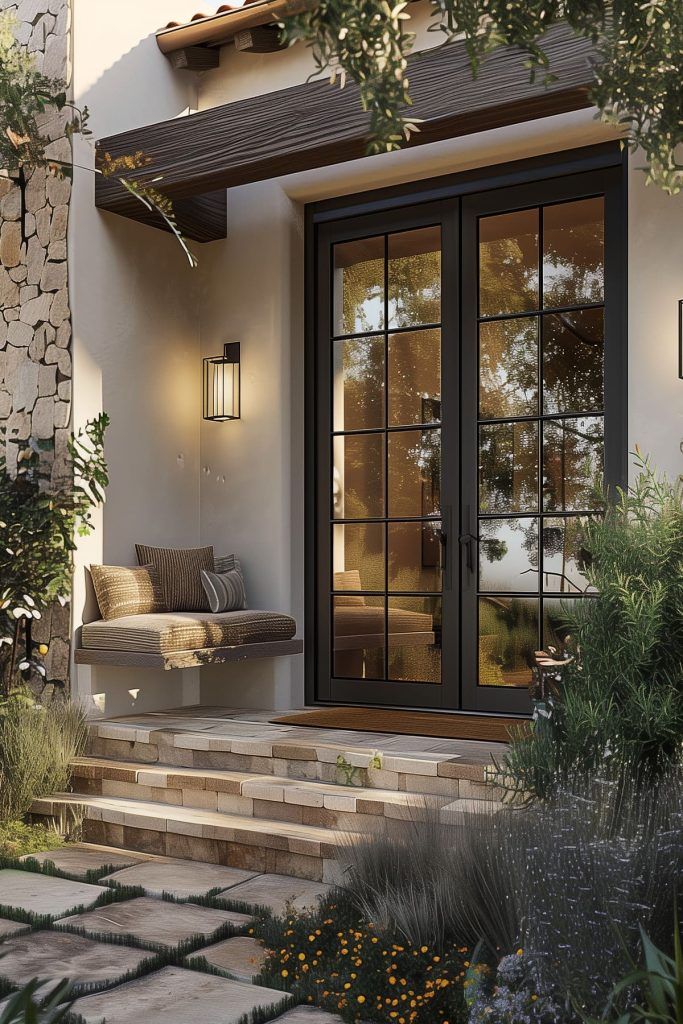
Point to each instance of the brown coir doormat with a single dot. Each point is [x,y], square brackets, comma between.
[407,723]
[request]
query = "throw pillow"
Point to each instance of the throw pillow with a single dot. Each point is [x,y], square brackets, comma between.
[224,590]
[123,590]
[179,569]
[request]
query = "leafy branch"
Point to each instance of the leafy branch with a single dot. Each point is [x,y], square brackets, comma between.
[637,70]
[27,98]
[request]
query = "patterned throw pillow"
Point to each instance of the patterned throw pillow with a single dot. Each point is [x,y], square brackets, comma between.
[179,569]
[225,590]
[121,590]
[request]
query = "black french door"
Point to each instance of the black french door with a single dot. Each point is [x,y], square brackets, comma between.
[468,373]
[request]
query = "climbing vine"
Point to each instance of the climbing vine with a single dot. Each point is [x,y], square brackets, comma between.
[637,71]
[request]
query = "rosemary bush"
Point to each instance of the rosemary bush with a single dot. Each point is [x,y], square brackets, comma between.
[619,703]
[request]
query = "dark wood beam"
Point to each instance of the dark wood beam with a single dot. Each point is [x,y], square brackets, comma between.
[316,124]
[195,58]
[259,39]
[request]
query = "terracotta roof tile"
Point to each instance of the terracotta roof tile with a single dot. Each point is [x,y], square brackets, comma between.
[237,5]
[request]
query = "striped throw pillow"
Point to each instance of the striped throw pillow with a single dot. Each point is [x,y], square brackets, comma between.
[121,590]
[224,590]
[179,569]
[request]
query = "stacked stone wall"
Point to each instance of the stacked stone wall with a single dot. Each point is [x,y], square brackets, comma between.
[35,320]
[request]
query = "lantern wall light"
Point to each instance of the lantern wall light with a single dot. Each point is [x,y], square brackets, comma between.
[222,384]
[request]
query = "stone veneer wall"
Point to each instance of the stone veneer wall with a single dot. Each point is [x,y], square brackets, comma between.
[35,323]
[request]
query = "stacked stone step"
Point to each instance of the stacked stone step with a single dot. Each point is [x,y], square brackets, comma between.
[257,803]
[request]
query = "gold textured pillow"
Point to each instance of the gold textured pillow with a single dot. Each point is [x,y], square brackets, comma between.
[180,572]
[123,590]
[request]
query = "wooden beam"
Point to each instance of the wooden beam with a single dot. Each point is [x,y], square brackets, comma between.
[316,124]
[195,58]
[260,39]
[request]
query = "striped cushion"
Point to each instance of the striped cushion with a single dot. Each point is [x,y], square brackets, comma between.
[184,631]
[224,590]
[179,569]
[349,580]
[226,563]
[123,590]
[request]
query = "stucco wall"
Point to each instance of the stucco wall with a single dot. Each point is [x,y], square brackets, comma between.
[35,325]
[136,330]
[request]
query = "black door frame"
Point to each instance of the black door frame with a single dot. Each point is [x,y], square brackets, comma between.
[593,160]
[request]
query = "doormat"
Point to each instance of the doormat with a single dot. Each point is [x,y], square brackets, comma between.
[407,723]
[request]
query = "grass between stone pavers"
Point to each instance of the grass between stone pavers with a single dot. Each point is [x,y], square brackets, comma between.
[91,876]
[330,957]
[42,922]
[214,901]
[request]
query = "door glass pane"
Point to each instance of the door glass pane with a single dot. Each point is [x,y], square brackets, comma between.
[508,263]
[557,627]
[359,286]
[414,473]
[358,386]
[572,463]
[508,368]
[414,377]
[573,253]
[508,467]
[358,638]
[415,639]
[415,277]
[414,556]
[573,358]
[508,638]
[508,555]
[358,476]
[358,556]
[564,556]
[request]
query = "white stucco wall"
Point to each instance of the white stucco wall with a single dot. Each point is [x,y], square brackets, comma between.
[136,336]
[142,321]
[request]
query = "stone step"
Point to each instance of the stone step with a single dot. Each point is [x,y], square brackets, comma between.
[324,804]
[192,833]
[333,758]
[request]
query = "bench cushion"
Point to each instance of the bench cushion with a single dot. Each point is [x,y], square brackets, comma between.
[186,631]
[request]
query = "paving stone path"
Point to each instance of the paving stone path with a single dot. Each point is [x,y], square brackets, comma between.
[102,937]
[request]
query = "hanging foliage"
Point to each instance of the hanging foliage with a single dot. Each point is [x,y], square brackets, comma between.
[638,69]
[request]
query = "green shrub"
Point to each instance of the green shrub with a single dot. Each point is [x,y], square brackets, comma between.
[37,746]
[620,700]
[18,839]
[334,958]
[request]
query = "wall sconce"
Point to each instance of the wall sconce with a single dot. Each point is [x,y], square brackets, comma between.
[680,338]
[222,384]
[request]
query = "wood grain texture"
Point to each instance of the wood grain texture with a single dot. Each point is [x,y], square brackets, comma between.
[315,124]
[188,659]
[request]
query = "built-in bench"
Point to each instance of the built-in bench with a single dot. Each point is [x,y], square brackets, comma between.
[181,640]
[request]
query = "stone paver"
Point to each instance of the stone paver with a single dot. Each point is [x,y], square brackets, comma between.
[43,894]
[9,928]
[155,920]
[176,996]
[79,858]
[277,892]
[180,878]
[308,1015]
[52,956]
[241,956]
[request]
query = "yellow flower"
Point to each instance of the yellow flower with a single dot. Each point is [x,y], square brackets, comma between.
[42,649]
[302,956]
[361,999]
[424,949]
[520,952]
[285,974]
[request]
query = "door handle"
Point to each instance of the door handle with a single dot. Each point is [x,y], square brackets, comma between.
[467,540]
[444,538]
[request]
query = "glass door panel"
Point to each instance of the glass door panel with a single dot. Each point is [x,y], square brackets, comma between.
[534,351]
[385,585]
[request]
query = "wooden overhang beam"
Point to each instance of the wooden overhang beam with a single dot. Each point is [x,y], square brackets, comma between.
[314,125]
